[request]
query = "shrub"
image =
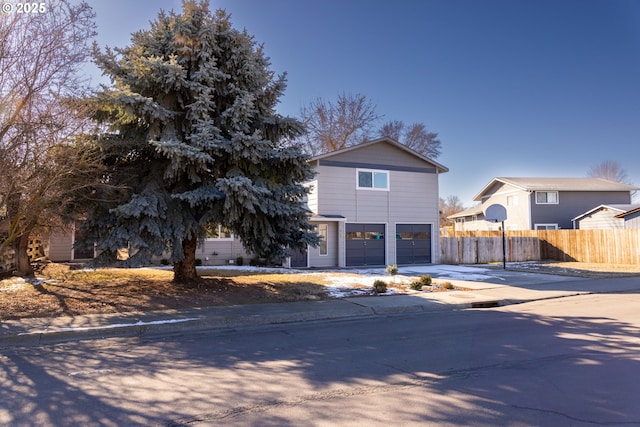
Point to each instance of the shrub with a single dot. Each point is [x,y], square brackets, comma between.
[425,280]
[379,287]
[392,270]
[416,285]
[164,261]
[446,285]
[239,260]
[198,261]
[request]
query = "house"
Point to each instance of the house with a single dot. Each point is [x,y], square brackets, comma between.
[359,197]
[631,218]
[375,203]
[609,217]
[541,203]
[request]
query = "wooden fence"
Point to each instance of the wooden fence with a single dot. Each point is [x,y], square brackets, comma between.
[597,246]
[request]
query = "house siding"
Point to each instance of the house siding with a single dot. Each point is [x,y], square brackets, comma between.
[571,204]
[331,259]
[601,219]
[412,196]
[221,252]
[632,221]
[60,247]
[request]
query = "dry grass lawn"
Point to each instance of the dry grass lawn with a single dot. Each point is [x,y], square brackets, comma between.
[72,292]
[69,292]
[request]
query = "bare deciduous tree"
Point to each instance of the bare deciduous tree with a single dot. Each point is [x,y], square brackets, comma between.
[333,126]
[415,136]
[449,206]
[608,169]
[42,165]
[352,119]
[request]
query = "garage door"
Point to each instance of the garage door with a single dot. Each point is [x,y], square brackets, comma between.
[413,243]
[364,244]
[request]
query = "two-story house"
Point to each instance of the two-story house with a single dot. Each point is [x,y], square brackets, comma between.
[541,203]
[375,203]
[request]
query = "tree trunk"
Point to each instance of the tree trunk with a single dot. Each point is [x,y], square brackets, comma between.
[185,271]
[23,264]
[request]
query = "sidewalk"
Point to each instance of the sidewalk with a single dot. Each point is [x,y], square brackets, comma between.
[521,287]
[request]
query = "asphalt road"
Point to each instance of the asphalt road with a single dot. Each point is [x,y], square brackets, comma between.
[565,362]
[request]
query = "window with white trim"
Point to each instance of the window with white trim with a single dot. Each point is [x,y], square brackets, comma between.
[218,232]
[323,233]
[369,179]
[545,226]
[546,197]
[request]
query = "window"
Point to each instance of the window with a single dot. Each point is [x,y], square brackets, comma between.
[322,232]
[512,200]
[373,180]
[546,197]
[545,226]
[218,232]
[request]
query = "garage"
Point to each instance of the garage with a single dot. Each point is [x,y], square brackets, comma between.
[365,244]
[413,243]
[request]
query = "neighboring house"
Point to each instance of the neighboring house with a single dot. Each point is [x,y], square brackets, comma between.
[541,203]
[360,196]
[609,217]
[631,218]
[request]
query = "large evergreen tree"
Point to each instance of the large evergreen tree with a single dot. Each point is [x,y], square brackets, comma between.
[195,140]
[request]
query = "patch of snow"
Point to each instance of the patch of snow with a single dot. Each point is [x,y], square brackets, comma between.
[116,325]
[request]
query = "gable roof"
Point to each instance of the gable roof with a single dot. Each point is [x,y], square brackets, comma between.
[475,210]
[439,167]
[631,211]
[622,209]
[557,184]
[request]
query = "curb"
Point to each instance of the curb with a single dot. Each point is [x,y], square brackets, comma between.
[248,316]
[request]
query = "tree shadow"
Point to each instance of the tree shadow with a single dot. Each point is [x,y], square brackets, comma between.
[490,367]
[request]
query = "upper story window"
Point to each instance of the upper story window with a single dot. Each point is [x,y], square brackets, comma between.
[218,232]
[373,179]
[512,201]
[546,197]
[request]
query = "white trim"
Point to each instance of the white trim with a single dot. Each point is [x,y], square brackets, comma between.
[547,203]
[326,239]
[220,239]
[373,172]
[555,226]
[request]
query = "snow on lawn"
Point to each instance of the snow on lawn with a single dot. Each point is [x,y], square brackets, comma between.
[347,282]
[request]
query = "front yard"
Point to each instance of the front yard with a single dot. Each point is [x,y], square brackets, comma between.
[61,290]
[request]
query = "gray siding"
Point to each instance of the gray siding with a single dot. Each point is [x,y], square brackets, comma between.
[412,196]
[381,153]
[61,246]
[632,221]
[571,204]
[331,259]
[219,252]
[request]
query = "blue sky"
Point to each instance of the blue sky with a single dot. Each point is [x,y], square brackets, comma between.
[512,87]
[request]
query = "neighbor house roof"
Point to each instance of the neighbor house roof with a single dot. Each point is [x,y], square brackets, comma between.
[622,209]
[631,211]
[558,184]
[476,210]
[440,168]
